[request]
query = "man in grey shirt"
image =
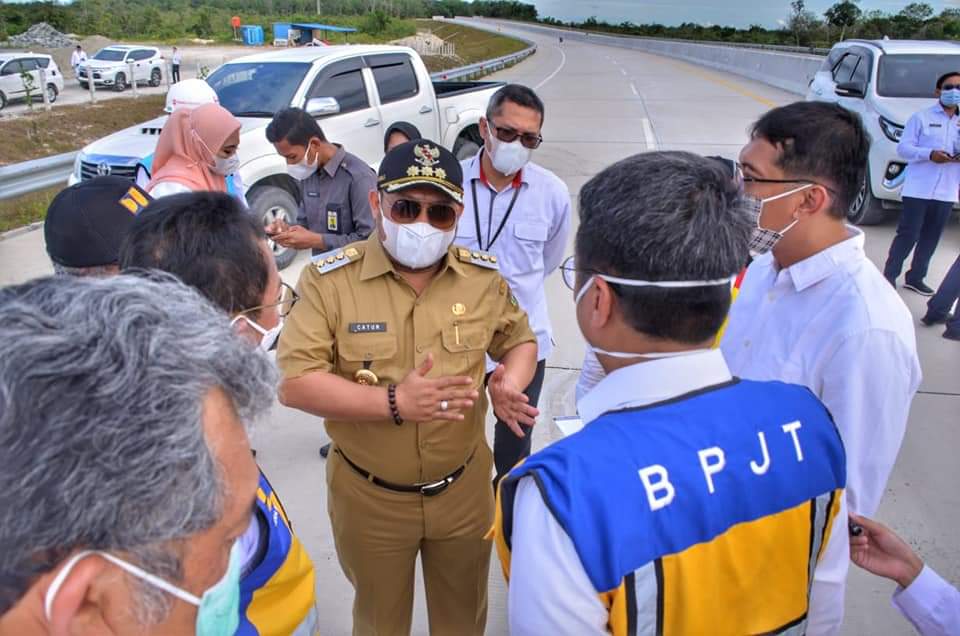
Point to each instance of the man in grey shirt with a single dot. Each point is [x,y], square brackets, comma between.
[334,186]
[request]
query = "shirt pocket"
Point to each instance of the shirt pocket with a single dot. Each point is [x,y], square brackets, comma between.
[375,352]
[464,348]
[466,232]
[933,136]
[530,239]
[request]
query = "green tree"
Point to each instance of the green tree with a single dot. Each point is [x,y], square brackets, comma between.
[203,26]
[802,21]
[376,22]
[843,15]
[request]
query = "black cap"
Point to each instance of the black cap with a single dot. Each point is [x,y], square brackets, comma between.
[421,163]
[86,222]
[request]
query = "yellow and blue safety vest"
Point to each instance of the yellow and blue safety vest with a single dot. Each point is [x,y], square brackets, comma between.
[277,596]
[705,514]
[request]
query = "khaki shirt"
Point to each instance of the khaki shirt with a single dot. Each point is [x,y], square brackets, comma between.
[356,312]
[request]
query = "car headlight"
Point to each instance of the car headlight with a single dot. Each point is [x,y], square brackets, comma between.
[893,131]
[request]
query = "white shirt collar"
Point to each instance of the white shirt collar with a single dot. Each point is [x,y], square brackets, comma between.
[654,381]
[823,264]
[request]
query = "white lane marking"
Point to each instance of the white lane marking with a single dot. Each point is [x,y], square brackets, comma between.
[648,136]
[563,61]
[633,87]
[623,72]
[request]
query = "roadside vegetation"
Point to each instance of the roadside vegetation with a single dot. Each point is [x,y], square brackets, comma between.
[472,45]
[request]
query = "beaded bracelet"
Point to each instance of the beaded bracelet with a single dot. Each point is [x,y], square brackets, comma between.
[392,398]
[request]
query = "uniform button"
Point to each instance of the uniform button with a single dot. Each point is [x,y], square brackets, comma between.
[419,348]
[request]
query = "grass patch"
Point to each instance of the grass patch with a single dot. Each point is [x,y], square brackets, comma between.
[26,209]
[69,128]
[472,45]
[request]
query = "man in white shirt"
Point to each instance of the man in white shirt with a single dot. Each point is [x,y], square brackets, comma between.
[76,58]
[692,502]
[931,145]
[922,596]
[175,60]
[814,310]
[519,212]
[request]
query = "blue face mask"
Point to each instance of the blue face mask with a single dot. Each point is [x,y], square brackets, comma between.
[950,98]
[218,611]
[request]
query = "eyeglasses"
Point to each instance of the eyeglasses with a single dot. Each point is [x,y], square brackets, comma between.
[950,87]
[743,178]
[569,272]
[509,135]
[442,216]
[288,298]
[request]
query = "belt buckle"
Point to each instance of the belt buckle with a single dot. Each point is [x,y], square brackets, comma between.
[435,488]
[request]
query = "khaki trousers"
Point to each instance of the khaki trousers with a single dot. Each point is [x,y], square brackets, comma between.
[378,534]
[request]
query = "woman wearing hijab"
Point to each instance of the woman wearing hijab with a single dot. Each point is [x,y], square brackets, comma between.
[400,133]
[197,149]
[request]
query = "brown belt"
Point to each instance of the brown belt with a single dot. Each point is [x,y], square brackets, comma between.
[427,489]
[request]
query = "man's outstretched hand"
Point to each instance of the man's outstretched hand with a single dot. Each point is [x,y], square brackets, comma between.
[509,403]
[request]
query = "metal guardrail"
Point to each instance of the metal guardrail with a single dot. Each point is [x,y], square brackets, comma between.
[487,66]
[37,174]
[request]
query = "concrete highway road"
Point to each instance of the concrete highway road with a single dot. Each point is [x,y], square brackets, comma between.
[604,104]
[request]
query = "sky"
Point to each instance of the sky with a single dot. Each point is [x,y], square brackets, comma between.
[737,13]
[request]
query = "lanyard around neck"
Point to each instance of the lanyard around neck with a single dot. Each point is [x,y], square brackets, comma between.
[476,215]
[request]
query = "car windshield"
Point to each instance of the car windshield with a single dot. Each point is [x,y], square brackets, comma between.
[108,55]
[257,89]
[913,75]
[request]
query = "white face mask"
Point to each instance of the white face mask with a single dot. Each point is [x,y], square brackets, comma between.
[763,240]
[304,169]
[415,245]
[227,166]
[663,284]
[269,337]
[507,158]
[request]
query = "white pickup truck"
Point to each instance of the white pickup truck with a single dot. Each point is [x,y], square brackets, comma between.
[355,92]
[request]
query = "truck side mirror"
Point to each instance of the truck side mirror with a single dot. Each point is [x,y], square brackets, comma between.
[320,106]
[852,89]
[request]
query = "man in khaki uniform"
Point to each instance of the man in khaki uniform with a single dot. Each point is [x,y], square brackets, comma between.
[387,343]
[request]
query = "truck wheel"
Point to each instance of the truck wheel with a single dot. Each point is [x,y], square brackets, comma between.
[468,143]
[3,100]
[271,203]
[155,77]
[866,209]
[120,83]
[52,93]
[84,85]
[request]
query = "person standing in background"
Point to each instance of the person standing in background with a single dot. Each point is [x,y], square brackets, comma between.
[519,212]
[399,132]
[78,57]
[335,189]
[175,60]
[930,144]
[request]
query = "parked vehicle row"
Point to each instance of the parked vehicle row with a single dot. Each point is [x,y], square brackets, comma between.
[13,85]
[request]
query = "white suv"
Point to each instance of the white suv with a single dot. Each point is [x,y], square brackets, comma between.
[885,81]
[113,65]
[12,68]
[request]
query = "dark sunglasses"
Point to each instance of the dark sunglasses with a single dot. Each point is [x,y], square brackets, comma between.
[509,135]
[442,216]
[949,87]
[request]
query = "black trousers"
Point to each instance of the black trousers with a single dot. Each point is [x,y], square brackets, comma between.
[508,449]
[176,73]
[920,227]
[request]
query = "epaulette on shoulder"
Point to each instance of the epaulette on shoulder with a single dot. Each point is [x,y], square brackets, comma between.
[335,259]
[478,258]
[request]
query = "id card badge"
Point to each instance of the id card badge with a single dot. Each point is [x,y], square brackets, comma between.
[568,425]
[333,220]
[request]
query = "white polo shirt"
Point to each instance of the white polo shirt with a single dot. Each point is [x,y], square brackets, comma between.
[526,226]
[928,130]
[832,323]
